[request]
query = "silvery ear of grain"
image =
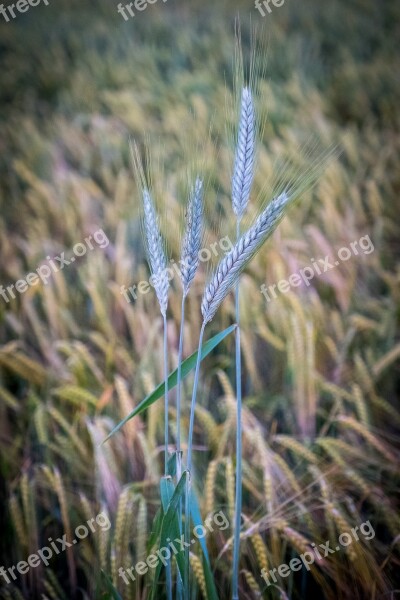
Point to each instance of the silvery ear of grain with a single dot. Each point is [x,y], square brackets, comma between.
[155,252]
[235,261]
[243,172]
[192,237]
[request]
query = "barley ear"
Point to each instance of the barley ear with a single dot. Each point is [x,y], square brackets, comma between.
[230,267]
[192,237]
[155,252]
[243,172]
[154,242]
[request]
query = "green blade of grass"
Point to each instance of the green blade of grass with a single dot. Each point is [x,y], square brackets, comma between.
[169,521]
[210,583]
[172,464]
[167,489]
[187,366]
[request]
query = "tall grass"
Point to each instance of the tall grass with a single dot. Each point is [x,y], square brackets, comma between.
[222,281]
[320,415]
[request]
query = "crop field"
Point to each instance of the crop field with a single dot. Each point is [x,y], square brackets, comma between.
[101,113]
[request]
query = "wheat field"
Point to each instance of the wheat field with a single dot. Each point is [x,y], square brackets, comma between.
[79,351]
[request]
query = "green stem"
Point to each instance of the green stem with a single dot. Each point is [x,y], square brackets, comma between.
[238,499]
[194,394]
[166,403]
[189,463]
[178,428]
[166,409]
[179,393]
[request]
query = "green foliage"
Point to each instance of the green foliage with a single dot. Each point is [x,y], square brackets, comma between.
[188,365]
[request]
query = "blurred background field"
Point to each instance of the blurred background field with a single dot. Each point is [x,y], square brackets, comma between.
[321,363]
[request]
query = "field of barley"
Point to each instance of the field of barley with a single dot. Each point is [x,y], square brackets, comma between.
[81,341]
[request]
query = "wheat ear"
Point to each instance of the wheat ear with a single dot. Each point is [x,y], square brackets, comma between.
[192,237]
[155,252]
[243,172]
[235,261]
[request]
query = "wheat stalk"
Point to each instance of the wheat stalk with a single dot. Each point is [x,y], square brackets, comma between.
[191,244]
[159,278]
[189,263]
[242,180]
